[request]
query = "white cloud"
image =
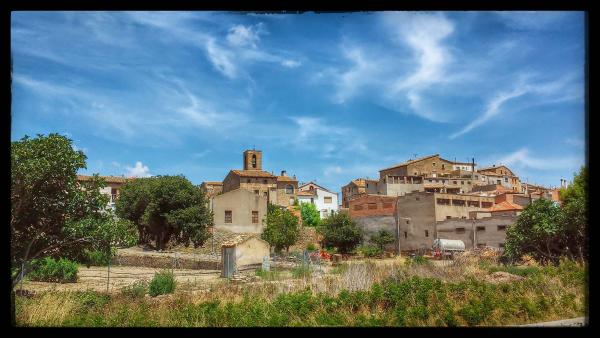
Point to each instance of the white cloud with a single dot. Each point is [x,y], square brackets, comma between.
[523,158]
[221,59]
[241,36]
[291,63]
[332,170]
[139,170]
[549,88]
[358,75]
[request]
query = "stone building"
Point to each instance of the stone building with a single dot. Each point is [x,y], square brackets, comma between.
[487,231]
[280,190]
[211,189]
[356,188]
[429,166]
[239,211]
[500,175]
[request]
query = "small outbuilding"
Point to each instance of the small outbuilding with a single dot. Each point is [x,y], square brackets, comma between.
[243,251]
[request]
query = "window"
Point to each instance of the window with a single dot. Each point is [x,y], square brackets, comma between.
[480,228]
[289,189]
[407,221]
[358,207]
[253,161]
[327,199]
[486,204]
[265,181]
[405,235]
[458,202]
[501,227]
[433,164]
[443,201]
[417,198]
[473,204]
[443,166]
[460,230]
[248,180]
[462,182]
[372,206]
[416,173]
[312,200]
[426,233]
[430,181]
[468,182]
[454,182]
[498,182]
[506,179]
[448,217]
[228,218]
[265,194]
[256,192]
[255,217]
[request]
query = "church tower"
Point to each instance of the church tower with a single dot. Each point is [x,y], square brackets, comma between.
[252,160]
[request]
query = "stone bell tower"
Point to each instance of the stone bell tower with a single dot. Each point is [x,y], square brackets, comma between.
[252,160]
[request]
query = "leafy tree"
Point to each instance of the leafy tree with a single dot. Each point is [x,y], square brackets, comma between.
[382,238]
[536,232]
[548,231]
[166,208]
[574,205]
[281,230]
[310,214]
[45,196]
[340,231]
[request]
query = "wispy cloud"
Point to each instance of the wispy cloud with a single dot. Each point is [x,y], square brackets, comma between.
[139,170]
[221,59]
[523,158]
[532,20]
[524,86]
[242,36]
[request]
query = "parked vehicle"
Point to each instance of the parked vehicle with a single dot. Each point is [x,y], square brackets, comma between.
[446,248]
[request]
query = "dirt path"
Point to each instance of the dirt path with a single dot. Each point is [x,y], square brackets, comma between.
[94,278]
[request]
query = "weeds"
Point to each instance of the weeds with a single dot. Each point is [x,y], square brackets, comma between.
[163,283]
[137,289]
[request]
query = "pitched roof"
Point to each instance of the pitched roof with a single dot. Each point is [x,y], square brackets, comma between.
[494,167]
[286,179]
[108,179]
[313,183]
[505,206]
[252,173]
[410,162]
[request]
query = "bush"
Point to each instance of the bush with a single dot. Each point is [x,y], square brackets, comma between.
[370,251]
[162,283]
[311,247]
[340,231]
[268,275]
[96,257]
[136,290]
[51,270]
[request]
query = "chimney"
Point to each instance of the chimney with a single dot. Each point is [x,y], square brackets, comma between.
[283,173]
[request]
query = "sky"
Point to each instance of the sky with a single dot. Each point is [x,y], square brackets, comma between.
[326,97]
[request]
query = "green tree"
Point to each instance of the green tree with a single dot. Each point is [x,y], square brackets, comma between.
[166,209]
[281,230]
[382,238]
[548,231]
[45,196]
[310,214]
[340,231]
[574,205]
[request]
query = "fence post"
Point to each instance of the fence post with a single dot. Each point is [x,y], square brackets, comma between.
[108,276]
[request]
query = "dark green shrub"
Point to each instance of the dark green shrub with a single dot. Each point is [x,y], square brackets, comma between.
[311,247]
[418,260]
[162,283]
[51,270]
[137,289]
[370,251]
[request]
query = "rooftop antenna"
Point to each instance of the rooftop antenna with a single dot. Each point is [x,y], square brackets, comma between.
[415,155]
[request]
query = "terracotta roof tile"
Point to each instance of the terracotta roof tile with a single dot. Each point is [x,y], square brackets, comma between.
[505,206]
[212,183]
[253,173]
[286,179]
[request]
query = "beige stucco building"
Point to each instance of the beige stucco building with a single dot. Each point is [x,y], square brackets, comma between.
[240,211]
[112,189]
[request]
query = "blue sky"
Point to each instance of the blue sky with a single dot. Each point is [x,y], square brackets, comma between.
[327,97]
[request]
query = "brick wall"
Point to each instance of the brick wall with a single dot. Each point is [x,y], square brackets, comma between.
[372,205]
